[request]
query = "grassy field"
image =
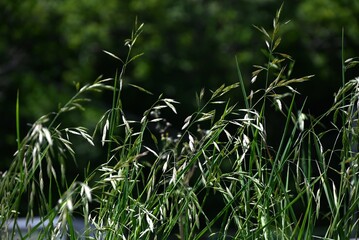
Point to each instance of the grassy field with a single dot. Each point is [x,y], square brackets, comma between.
[219,177]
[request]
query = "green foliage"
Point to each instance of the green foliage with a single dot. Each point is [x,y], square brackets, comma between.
[50,46]
[152,184]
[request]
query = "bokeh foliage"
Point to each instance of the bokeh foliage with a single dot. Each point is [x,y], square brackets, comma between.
[49,47]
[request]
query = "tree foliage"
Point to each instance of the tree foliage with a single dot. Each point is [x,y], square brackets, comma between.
[49,47]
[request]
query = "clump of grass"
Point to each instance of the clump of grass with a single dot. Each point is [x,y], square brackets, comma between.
[152,185]
[32,173]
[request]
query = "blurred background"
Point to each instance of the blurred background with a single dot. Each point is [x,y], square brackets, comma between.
[49,46]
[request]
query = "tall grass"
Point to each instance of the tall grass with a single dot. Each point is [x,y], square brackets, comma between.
[220,177]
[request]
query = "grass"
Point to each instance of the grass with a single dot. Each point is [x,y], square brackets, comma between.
[218,178]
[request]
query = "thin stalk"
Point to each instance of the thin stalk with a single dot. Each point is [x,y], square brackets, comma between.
[18,122]
[243,88]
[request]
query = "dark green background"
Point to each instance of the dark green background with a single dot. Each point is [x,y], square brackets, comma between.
[47,47]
